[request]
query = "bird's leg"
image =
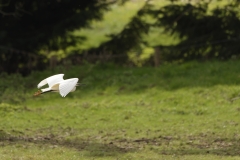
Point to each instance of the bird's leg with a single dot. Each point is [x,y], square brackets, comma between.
[80,84]
[37,93]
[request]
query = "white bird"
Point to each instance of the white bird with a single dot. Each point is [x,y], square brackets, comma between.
[56,83]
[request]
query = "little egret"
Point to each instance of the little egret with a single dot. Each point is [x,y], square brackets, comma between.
[56,83]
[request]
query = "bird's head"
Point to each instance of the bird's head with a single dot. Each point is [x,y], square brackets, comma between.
[37,93]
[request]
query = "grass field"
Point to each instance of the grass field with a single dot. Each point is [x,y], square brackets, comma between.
[187,111]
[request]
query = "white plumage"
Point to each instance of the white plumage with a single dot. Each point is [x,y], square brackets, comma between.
[51,80]
[67,86]
[56,83]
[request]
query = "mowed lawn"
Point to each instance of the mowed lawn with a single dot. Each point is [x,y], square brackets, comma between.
[177,111]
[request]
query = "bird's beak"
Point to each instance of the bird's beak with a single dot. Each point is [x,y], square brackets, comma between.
[37,93]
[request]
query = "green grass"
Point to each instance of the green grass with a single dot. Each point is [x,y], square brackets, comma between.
[176,111]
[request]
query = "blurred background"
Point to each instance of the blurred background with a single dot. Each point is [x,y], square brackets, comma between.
[37,35]
[161,79]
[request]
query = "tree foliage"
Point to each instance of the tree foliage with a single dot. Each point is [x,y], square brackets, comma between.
[205,33]
[30,25]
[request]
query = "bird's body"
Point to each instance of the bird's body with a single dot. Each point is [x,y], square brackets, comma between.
[56,83]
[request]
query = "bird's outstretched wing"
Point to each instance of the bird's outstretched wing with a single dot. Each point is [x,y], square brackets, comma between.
[51,80]
[42,83]
[67,86]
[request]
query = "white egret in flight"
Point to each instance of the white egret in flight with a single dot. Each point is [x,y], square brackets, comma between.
[56,83]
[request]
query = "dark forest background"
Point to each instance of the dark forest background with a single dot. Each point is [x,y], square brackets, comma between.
[36,35]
